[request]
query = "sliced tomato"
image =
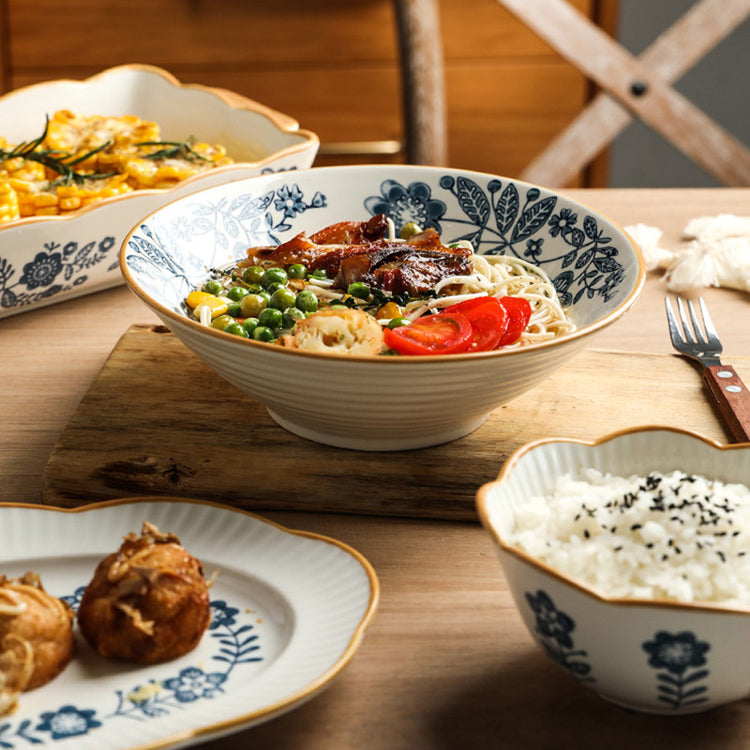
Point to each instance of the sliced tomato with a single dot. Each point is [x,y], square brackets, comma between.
[519,312]
[444,333]
[488,319]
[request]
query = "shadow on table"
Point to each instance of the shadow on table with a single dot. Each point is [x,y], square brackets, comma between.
[529,704]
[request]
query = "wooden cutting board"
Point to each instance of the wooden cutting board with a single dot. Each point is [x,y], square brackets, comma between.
[157,421]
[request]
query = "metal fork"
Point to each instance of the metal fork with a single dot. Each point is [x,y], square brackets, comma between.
[728,391]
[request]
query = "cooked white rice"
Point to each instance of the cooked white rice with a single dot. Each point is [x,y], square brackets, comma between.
[665,536]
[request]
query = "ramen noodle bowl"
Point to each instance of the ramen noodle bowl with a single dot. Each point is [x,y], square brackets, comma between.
[366,402]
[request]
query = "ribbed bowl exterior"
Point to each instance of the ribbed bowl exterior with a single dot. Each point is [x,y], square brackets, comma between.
[376,404]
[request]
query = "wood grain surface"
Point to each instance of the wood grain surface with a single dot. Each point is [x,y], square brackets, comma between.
[159,421]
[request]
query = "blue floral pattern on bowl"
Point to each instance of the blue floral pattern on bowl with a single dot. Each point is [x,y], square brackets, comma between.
[553,631]
[497,216]
[681,657]
[236,645]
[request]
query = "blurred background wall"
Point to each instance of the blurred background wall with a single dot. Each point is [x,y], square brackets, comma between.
[333,65]
[719,84]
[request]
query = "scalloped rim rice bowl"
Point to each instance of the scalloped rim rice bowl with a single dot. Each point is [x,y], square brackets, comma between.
[49,259]
[649,654]
[382,403]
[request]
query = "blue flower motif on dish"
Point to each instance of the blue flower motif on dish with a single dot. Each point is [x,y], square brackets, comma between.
[54,269]
[553,629]
[510,218]
[222,615]
[406,204]
[236,645]
[42,271]
[193,683]
[68,721]
[681,657]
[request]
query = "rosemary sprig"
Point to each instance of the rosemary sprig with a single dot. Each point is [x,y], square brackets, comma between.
[58,161]
[173,150]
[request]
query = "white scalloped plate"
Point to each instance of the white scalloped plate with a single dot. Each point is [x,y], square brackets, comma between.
[289,610]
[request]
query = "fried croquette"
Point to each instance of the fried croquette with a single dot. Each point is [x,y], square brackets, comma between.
[36,637]
[146,603]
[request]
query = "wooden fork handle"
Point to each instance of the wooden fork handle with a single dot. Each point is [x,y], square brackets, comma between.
[732,399]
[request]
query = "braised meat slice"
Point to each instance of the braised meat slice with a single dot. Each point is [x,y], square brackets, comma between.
[361,251]
[353,232]
[413,267]
[338,238]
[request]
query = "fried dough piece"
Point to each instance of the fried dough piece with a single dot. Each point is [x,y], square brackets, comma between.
[146,603]
[36,637]
[344,331]
[16,666]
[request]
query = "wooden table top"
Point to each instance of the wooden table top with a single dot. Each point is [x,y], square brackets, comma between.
[447,662]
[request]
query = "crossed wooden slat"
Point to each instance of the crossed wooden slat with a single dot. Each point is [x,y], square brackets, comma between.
[636,87]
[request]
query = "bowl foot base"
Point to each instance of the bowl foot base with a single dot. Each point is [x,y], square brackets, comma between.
[371,441]
[657,710]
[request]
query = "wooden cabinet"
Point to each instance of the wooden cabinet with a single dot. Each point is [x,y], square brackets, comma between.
[331,64]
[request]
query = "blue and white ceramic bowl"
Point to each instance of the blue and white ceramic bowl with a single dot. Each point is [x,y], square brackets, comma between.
[383,403]
[650,654]
[49,259]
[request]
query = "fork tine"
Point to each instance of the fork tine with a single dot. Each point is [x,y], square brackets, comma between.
[687,331]
[674,332]
[708,324]
[697,329]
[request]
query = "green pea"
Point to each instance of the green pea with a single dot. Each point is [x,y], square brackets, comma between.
[235,310]
[274,276]
[282,298]
[263,333]
[409,230]
[222,321]
[270,317]
[266,296]
[254,288]
[318,273]
[250,324]
[253,275]
[274,287]
[291,316]
[236,293]
[213,287]
[359,290]
[398,322]
[297,271]
[236,329]
[307,301]
[252,304]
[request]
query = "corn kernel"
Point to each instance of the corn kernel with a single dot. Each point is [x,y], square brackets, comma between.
[217,305]
[70,204]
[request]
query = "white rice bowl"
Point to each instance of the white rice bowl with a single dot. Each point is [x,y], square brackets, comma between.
[623,612]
